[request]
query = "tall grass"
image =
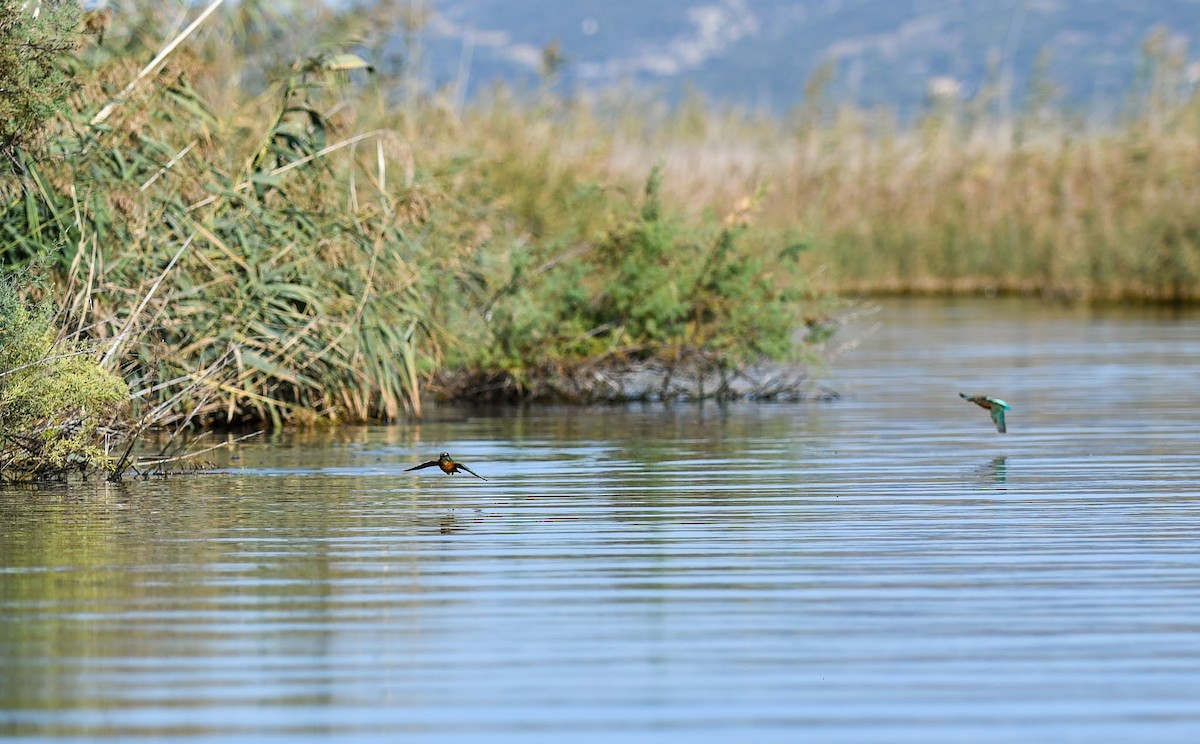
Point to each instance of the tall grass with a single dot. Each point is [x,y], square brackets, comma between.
[261,289]
[237,265]
[1050,202]
[315,250]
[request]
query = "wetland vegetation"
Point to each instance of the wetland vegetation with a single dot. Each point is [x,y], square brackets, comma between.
[270,222]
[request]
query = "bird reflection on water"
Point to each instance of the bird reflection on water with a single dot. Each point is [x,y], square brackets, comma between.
[994,472]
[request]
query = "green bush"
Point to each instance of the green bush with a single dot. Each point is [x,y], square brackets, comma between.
[54,396]
[34,81]
[652,287]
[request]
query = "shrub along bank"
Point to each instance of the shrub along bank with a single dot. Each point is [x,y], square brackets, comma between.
[313,250]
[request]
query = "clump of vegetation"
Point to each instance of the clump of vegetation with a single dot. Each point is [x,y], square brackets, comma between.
[312,252]
[56,402]
[651,290]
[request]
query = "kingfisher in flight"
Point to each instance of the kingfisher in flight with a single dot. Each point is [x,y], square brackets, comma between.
[448,466]
[995,405]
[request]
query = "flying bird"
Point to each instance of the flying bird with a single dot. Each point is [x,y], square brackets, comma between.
[995,405]
[447,464]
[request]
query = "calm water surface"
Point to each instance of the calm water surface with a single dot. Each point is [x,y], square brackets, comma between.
[885,567]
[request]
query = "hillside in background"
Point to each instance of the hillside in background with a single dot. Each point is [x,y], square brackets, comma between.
[760,53]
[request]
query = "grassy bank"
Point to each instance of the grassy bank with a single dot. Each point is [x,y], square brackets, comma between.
[259,225]
[243,241]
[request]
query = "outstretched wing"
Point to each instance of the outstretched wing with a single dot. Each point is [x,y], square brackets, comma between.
[429,464]
[998,418]
[460,466]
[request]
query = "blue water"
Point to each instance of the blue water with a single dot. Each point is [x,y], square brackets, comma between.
[883,567]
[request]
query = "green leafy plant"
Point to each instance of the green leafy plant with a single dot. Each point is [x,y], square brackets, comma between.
[652,288]
[55,398]
[34,80]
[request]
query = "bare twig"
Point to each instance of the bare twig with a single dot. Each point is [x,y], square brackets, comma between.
[160,461]
[119,469]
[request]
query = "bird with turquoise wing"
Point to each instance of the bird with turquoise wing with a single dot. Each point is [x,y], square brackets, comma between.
[996,406]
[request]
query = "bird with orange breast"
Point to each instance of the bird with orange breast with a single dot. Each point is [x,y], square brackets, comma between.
[996,406]
[447,465]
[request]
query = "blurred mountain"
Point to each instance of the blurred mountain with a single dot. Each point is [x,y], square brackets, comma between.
[761,53]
